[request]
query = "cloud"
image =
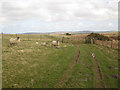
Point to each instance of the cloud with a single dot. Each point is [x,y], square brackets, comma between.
[24,15]
[58,10]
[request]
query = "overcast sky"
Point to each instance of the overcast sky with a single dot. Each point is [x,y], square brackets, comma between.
[19,16]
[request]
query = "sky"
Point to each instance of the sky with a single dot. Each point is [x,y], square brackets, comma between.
[20,16]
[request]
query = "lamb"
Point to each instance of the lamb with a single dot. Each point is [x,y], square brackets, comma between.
[55,43]
[14,40]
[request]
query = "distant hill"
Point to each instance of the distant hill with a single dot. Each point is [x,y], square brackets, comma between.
[72,32]
[35,33]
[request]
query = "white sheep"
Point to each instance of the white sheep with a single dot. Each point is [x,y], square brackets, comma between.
[37,42]
[93,55]
[14,40]
[44,44]
[55,43]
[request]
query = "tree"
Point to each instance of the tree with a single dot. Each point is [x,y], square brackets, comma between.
[68,34]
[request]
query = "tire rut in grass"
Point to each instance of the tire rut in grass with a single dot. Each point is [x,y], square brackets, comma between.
[84,64]
[68,72]
[98,75]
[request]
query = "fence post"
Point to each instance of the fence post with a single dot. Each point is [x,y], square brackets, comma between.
[91,41]
[28,36]
[2,35]
[62,39]
[106,43]
[85,39]
[111,43]
[95,41]
[16,35]
[102,43]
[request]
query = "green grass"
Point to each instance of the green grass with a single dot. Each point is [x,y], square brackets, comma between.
[82,71]
[30,65]
[107,57]
[35,66]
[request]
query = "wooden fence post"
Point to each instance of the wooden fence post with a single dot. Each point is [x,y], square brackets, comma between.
[95,41]
[102,43]
[2,35]
[85,39]
[106,43]
[111,43]
[16,35]
[40,37]
[91,41]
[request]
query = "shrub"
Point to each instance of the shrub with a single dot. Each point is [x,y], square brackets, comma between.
[68,34]
[96,36]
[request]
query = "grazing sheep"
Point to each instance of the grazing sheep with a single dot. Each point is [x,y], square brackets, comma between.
[55,43]
[93,55]
[44,44]
[14,40]
[37,42]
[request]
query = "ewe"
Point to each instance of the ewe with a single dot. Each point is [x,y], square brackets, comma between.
[55,43]
[14,40]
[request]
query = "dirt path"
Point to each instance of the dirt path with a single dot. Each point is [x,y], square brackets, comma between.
[65,77]
[98,75]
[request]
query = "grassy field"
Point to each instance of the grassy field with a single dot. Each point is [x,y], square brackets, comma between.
[28,65]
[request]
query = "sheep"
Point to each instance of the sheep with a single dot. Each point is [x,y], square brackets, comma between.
[14,40]
[44,44]
[55,43]
[37,42]
[93,55]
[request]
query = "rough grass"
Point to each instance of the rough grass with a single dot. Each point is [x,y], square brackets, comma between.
[28,65]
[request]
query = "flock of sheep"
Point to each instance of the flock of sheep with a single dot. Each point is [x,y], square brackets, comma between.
[14,41]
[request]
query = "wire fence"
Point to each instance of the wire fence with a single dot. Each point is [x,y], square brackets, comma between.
[70,39]
[111,44]
[23,36]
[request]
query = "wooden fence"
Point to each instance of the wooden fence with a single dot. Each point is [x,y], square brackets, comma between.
[73,39]
[111,44]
